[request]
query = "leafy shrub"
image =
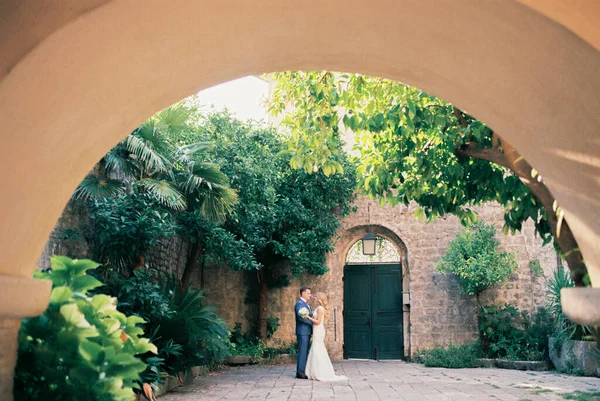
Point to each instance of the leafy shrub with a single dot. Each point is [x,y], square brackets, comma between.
[508,333]
[272,326]
[255,348]
[186,332]
[474,258]
[81,347]
[204,336]
[125,226]
[281,348]
[564,329]
[500,337]
[454,356]
[246,344]
[538,333]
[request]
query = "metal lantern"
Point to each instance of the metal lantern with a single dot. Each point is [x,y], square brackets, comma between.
[368,244]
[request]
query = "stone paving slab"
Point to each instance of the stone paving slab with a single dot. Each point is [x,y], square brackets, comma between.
[376,381]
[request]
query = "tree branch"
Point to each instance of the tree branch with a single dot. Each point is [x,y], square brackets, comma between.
[461,117]
[564,238]
[505,155]
[490,154]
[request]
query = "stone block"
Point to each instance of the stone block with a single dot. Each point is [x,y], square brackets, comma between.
[238,360]
[522,365]
[579,355]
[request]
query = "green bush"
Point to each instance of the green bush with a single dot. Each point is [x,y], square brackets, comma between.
[81,347]
[255,348]
[204,336]
[281,348]
[509,333]
[272,326]
[124,227]
[564,329]
[453,357]
[474,258]
[500,337]
[246,344]
[187,332]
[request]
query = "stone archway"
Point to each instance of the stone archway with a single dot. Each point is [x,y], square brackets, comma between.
[334,280]
[77,77]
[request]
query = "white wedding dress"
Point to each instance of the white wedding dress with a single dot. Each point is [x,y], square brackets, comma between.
[318,365]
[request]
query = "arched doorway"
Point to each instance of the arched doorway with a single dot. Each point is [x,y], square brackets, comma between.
[374,302]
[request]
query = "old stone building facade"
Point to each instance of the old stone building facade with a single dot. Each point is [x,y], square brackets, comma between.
[433,312]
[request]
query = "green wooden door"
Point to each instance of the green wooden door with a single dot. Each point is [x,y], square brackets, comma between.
[373,327]
[388,339]
[357,312]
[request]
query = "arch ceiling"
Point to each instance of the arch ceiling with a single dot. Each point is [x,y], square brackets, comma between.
[76,78]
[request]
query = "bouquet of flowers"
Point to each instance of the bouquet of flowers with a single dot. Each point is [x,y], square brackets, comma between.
[303,312]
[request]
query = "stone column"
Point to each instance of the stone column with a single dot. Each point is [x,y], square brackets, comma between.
[20,297]
[582,304]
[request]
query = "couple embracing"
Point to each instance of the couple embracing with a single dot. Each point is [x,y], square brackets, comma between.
[315,365]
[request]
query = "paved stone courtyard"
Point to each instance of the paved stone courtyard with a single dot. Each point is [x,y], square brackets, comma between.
[370,380]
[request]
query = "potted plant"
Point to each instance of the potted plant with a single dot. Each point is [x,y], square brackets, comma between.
[573,348]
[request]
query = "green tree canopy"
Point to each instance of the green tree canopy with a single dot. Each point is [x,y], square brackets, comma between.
[474,258]
[286,216]
[416,147]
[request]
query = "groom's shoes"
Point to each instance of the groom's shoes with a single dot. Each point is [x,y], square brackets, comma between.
[299,376]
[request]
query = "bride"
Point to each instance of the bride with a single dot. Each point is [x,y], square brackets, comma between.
[318,365]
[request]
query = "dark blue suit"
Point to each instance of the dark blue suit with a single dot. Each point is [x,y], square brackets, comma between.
[303,333]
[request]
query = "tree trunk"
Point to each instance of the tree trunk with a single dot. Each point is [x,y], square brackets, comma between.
[484,344]
[564,238]
[141,263]
[508,157]
[9,331]
[202,267]
[263,298]
[194,254]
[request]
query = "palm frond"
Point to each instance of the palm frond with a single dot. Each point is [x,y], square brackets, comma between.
[204,174]
[149,147]
[118,160]
[187,153]
[218,203]
[94,187]
[172,118]
[165,192]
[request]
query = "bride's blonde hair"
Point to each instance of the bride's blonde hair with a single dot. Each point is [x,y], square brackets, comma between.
[324,303]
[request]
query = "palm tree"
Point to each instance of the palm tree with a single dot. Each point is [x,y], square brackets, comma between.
[178,177]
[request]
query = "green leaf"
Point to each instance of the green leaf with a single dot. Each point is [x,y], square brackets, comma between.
[81,266]
[60,295]
[85,283]
[103,303]
[144,345]
[90,351]
[111,325]
[73,316]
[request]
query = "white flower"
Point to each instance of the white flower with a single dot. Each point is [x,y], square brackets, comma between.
[303,312]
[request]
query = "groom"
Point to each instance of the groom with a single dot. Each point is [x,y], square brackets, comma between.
[303,331]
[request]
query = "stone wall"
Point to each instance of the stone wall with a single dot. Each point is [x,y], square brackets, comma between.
[65,239]
[437,315]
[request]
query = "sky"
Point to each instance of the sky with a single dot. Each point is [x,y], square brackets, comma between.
[243,97]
